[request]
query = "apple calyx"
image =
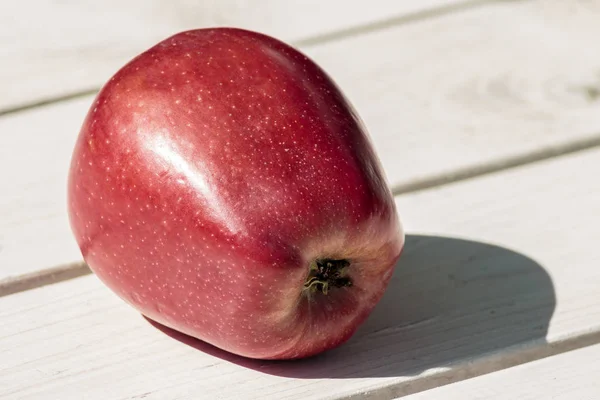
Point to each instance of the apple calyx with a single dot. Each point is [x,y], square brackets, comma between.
[325,273]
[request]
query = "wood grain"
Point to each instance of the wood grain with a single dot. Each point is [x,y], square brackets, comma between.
[498,271]
[563,377]
[57,48]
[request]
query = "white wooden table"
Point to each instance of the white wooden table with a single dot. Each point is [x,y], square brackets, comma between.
[486,115]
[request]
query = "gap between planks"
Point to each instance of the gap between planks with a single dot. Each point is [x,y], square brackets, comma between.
[486,364]
[48,101]
[395,21]
[564,377]
[43,277]
[499,165]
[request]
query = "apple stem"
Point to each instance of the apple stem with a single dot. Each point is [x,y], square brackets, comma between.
[326,273]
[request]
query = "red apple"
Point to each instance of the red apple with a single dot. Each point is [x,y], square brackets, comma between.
[223,186]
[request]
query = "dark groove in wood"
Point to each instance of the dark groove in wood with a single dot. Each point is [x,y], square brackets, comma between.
[396,21]
[47,101]
[494,166]
[41,278]
[471,368]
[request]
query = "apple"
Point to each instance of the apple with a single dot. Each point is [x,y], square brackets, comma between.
[223,186]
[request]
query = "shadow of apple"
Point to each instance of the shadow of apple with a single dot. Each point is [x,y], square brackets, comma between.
[449,300]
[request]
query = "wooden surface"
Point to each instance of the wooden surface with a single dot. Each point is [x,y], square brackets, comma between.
[486,115]
[439,107]
[492,276]
[564,377]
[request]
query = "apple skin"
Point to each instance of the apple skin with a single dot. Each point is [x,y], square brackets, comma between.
[210,172]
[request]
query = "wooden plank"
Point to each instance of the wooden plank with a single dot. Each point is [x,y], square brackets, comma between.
[34,156]
[497,271]
[443,98]
[449,93]
[567,376]
[94,40]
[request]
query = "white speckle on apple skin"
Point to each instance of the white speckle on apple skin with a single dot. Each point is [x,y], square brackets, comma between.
[246,146]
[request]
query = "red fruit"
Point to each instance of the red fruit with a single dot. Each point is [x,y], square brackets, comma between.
[223,186]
